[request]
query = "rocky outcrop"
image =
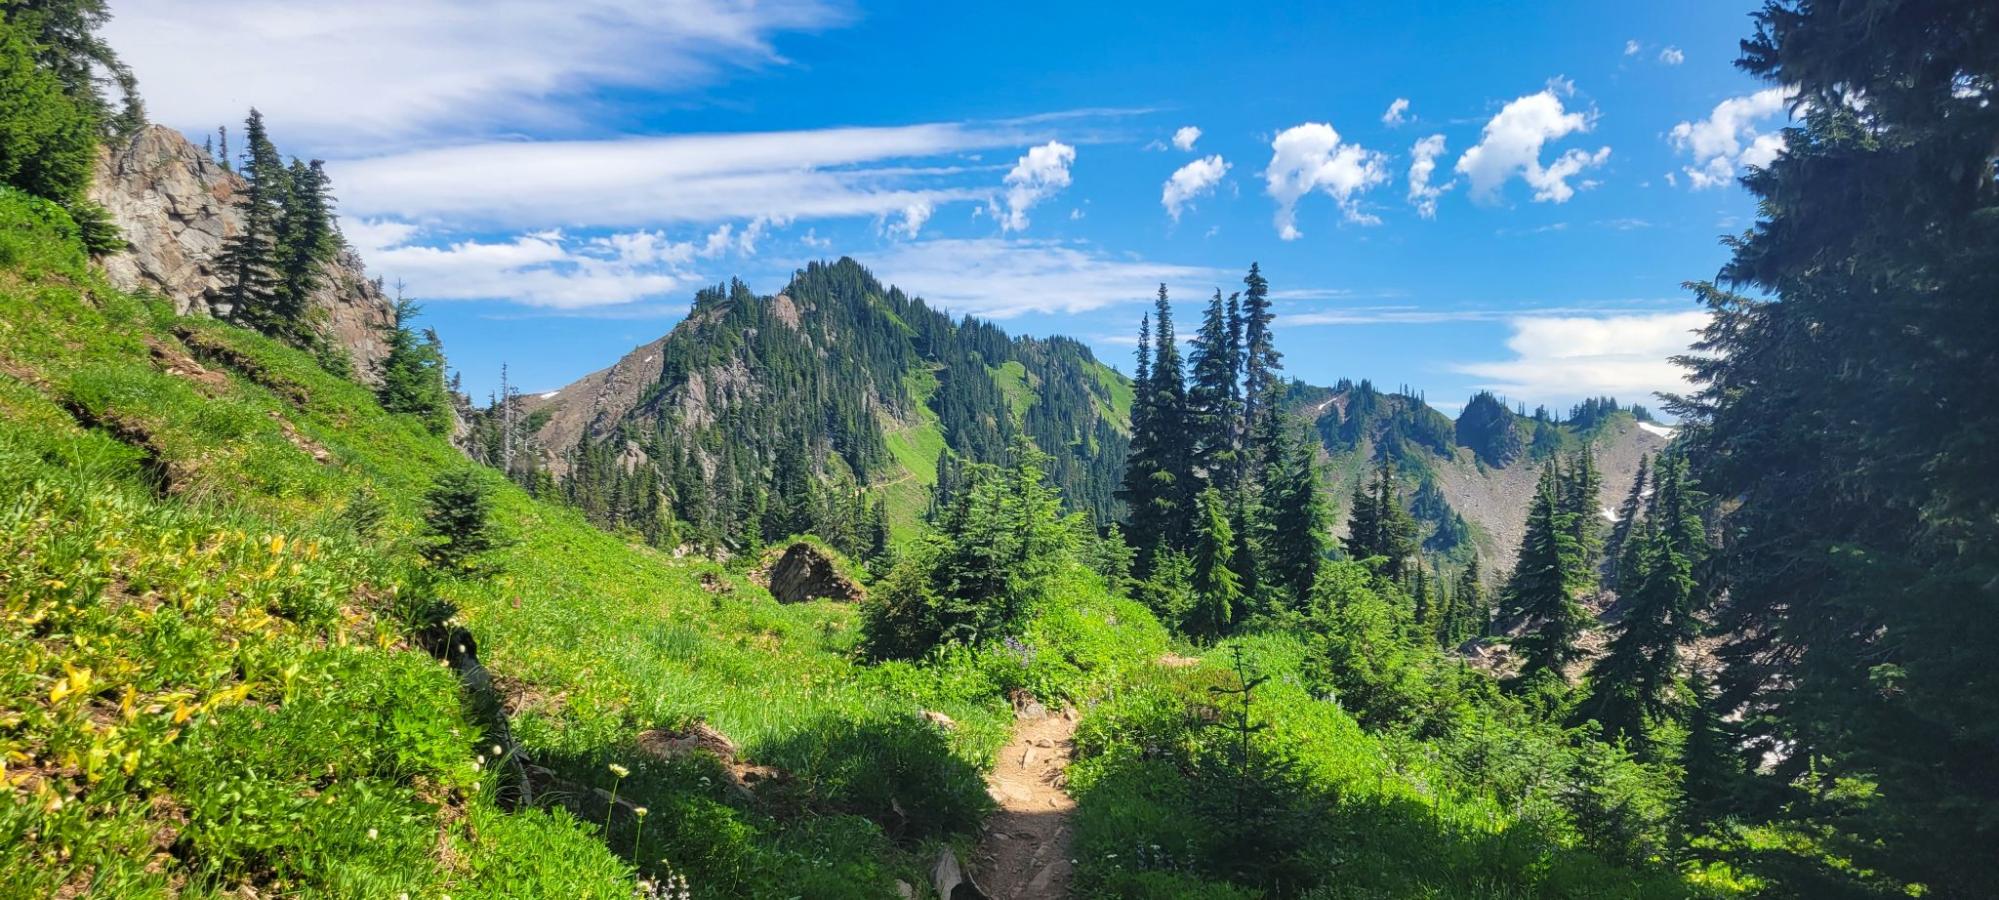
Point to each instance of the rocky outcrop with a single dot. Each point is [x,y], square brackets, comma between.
[804,572]
[595,404]
[176,207]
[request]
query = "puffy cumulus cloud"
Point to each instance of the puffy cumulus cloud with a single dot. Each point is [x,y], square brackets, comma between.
[1512,142]
[1558,358]
[675,179]
[361,72]
[1731,137]
[1039,175]
[1422,166]
[913,217]
[1398,112]
[1631,48]
[1000,277]
[1185,137]
[1195,179]
[1311,157]
[1672,56]
[547,269]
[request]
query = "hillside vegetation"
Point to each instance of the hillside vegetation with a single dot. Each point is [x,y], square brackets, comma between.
[214,602]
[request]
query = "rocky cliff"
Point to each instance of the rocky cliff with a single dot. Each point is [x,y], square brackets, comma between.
[176,206]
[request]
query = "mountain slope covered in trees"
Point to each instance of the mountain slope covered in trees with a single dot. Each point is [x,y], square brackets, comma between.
[835,406]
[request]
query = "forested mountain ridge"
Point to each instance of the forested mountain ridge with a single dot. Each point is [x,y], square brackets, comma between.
[1469,480]
[834,406]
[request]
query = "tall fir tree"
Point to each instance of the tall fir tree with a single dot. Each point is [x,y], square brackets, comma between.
[1300,522]
[305,241]
[1846,411]
[1159,473]
[1214,415]
[1262,389]
[413,373]
[1631,685]
[1470,612]
[1542,590]
[1582,485]
[1379,526]
[250,258]
[1627,518]
[1218,598]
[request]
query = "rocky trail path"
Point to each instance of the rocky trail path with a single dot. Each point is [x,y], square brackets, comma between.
[1024,854]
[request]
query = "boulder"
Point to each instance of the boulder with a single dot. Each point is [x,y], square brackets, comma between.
[803,572]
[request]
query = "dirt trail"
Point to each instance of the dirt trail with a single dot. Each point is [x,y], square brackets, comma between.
[1024,854]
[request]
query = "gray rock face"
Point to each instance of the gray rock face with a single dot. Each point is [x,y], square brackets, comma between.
[176,206]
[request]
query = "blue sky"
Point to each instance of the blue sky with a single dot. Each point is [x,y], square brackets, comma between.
[1448,196]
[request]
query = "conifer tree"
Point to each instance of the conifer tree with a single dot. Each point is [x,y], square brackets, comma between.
[1627,516]
[1159,475]
[1213,414]
[1542,589]
[1468,605]
[1631,684]
[1300,522]
[1379,526]
[1425,604]
[305,241]
[68,45]
[1218,598]
[413,373]
[458,520]
[1262,390]
[249,259]
[1582,484]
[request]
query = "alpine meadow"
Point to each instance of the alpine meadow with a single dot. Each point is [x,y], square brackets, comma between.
[853,449]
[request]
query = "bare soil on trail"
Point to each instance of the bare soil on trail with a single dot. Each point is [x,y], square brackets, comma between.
[1024,854]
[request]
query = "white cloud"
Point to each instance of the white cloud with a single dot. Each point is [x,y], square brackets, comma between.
[1185,137]
[545,269]
[1730,137]
[1040,174]
[1422,193]
[361,72]
[697,178]
[1511,145]
[1192,180]
[1397,112]
[999,278]
[1310,157]
[1631,48]
[1672,56]
[1569,357]
[913,217]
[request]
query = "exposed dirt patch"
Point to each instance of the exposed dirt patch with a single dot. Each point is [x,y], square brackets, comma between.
[1024,854]
[214,351]
[177,363]
[308,445]
[1176,661]
[700,737]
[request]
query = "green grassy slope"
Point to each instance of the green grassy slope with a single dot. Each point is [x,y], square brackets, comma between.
[207,588]
[916,445]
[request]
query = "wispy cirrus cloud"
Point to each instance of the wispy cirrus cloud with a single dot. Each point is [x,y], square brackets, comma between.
[693,178]
[364,72]
[1000,278]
